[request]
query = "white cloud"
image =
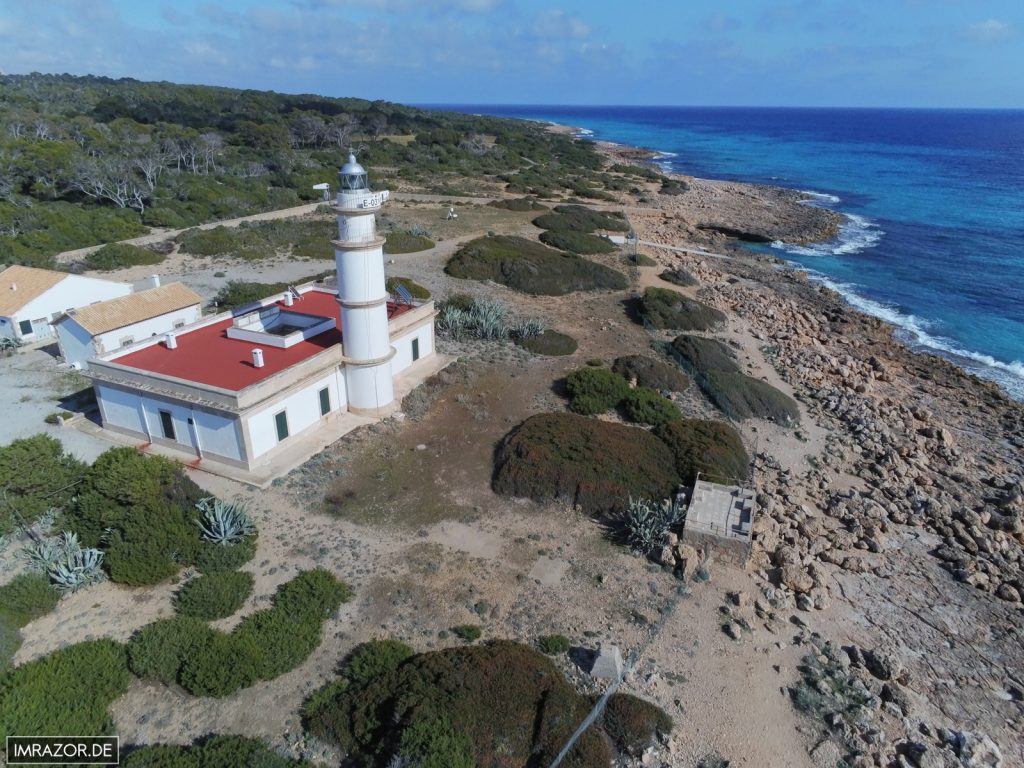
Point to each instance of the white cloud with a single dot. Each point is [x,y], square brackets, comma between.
[990,31]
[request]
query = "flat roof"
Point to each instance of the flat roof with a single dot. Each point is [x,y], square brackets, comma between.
[721,510]
[207,356]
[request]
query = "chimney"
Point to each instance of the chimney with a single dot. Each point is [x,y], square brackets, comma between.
[257,358]
[14,286]
[154,281]
[289,299]
[171,341]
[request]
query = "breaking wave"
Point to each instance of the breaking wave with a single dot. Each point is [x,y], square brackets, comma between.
[857,234]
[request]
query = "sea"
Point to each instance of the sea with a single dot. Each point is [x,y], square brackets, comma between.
[933,200]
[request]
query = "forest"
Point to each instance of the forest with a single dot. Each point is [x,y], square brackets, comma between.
[88,160]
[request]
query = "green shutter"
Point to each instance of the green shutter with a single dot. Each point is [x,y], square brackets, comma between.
[325,401]
[281,420]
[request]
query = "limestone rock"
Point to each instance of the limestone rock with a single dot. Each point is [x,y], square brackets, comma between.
[796,578]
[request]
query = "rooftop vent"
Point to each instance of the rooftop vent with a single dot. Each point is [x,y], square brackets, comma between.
[171,341]
[257,358]
[289,299]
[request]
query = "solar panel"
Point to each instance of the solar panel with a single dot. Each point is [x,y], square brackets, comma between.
[403,293]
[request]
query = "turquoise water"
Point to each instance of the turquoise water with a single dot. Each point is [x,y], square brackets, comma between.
[934,199]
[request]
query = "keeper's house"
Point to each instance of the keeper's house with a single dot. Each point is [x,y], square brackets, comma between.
[240,388]
[32,299]
[111,325]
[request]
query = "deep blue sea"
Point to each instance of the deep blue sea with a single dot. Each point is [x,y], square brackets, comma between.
[934,200]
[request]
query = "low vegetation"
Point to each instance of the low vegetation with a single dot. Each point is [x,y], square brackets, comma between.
[553,645]
[667,309]
[519,204]
[643,523]
[678,276]
[265,645]
[593,464]
[463,317]
[737,395]
[648,372]
[26,597]
[712,448]
[66,692]
[305,238]
[577,242]
[415,290]
[239,293]
[550,343]
[407,242]
[597,390]
[579,218]
[215,595]
[530,267]
[37,476]
[634,724]
[643,405]
[498,705]
[211,752]
[120,255]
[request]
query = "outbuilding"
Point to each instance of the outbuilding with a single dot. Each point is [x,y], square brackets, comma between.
[32,299]
[118,323]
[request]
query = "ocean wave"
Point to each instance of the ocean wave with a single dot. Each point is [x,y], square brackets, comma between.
[918,334]
[820,197]
[584,133]
[857,234]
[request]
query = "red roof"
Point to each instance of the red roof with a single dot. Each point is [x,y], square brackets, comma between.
[207,356]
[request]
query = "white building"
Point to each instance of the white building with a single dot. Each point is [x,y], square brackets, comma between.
[32,299]
[237,389]
[110,325]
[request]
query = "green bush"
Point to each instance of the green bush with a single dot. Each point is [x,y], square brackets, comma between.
[579,218]
[577,242]
[634,724]
[10,640]
[120,255]
[550,343]
[594,464]
[28,596]
[212,752]
[407,242]
[553,645]
[530,267]
[161,756]
[66,692]
[375,659]
[415,290]
[215,558]
[669,309]
[652,373]
[470,633]
[744,397]
[151,544]
[221,668]
[646,406]
[313,595]
[239,293]
[518,204]
[494,705]
[702,355]
[712,448]
[36,475]
[595,390]
[642,260]
[159,650]
[678,276]
[214,596]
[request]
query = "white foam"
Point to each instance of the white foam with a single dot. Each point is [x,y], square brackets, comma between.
[857,234]
[820,197]
[915,331]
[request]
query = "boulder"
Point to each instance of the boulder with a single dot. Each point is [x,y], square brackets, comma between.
[796,578]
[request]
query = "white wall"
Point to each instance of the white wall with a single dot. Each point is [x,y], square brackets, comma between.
[303,409]
[403,346]
[145,329]
[76,345]
[71,292]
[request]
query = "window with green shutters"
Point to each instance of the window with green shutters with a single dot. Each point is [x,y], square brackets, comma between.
[415,350]
[281,420]
[325,401]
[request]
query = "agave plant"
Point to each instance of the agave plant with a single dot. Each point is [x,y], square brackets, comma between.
[44,554]
[79,568]
[224,522]
[452,322]
[527,329]
[488,319]
[646,523]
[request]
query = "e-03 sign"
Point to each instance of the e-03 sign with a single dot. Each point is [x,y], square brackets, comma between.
[63,750]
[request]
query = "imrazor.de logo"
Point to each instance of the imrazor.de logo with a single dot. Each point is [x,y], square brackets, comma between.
[63,750]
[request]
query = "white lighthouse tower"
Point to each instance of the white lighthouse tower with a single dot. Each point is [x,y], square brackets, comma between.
[359,256]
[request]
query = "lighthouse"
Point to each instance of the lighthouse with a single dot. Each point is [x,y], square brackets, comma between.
[362,296]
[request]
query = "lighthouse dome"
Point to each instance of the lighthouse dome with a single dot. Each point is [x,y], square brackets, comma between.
[353,176]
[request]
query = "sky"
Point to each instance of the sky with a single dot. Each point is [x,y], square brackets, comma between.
[887,53]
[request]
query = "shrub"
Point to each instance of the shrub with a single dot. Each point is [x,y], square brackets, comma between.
[579,218]
[119,255]
[222,667]
[58,417]
[646,406]
[530,267]
[673,187]
[161,756]
[652,373]
[151,545]
[66,692]
[669,309]
[416,290]
[491,705]
[595,390]
[26,597]
[158,650]
[406,242]
[375,659]
[702,355]
[272,643]
[642,260]
[212,558]
[551,343]
[634,724]
[10,640]
[36,475]
[577,242]
[590,463]
[553,645]
[678,276]
[743,397]
[213,752]
[470,633]
[712,448]
[214,596]
[519,204]
[313,595]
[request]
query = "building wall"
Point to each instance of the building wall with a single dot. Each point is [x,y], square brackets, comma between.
[403,346]
[76,345]
[303,410]
[217,433]
[71,292]
[145,329]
